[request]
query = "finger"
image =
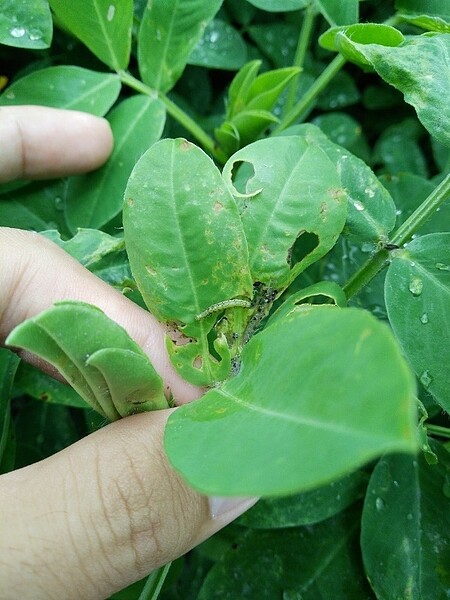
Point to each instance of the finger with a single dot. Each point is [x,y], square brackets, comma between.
[115,510]
[39,142]
[36,273]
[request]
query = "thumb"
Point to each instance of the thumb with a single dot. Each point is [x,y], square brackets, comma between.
[101,514]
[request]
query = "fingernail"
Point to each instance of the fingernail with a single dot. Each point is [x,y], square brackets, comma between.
[221,506]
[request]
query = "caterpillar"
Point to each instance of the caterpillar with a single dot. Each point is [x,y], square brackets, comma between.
[222,306]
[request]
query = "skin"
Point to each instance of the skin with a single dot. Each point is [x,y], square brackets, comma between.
[106,511]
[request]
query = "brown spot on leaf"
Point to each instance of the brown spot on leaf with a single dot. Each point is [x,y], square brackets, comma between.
[185,145]
[130,202]
[218,206]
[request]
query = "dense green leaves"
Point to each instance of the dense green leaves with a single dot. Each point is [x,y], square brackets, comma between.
[321,561]
[26,24]
[418,302]
[291,188]
[279,5]
[338,13]
[96,356]
[405,527]
[103,25]
[65,87]
[169,32]
[258,421]
[95,198]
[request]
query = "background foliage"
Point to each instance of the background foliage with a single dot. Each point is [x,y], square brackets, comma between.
[280,96]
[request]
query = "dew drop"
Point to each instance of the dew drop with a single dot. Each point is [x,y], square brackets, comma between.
[415,286]
[17,32]
[398,212]
[358,205]
[213,36]
[369,191]
[409,516]
[425,378]
[442,267]
[35,34]
[424,319]
[380,504]
[158,34]
[111,12]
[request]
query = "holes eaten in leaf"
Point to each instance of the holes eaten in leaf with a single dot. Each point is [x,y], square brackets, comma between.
[305,243]
[241,173]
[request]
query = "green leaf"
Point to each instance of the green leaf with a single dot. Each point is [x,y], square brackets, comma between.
[348,40]
[33,382]
[418,67]
[220,47]
[418,301]
[307,563]
[187,250]
[99,252]
[295,189]
[338,13]
[65,87]
[428,22]
[277,41]
[389,149]
[104,26]
[265,90]
[26,24]
[183,234]
[371,210]
[8,366]
[42,430]
[279,5]
[307,508]
[95,198]
[300,413]
[405,527]
[251,123]
[74,337]
[169,32]
[239,87]
[36,207]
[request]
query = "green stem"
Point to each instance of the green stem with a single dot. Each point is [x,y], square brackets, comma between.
[154,583]
[302,46]
[438,430]
[177,113]
[403,234]
[308,98]
[437,197]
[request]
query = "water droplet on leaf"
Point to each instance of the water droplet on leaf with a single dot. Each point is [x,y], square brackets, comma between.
[380,504]
[111,12]
[424,319]
[35,34]
[358,205]
[415,286]
[17,32]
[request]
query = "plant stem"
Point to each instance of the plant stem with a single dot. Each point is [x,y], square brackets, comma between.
[403,234]
[300,53]
[154,583]
[177,113]
[438,430]
[308,98]
[437,197]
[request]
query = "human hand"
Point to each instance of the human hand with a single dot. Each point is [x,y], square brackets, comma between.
[106,511]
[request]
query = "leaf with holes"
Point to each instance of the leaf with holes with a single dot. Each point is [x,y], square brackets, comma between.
[371,210]
[186,247]
[291,195]
[417,292]
[259,422]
